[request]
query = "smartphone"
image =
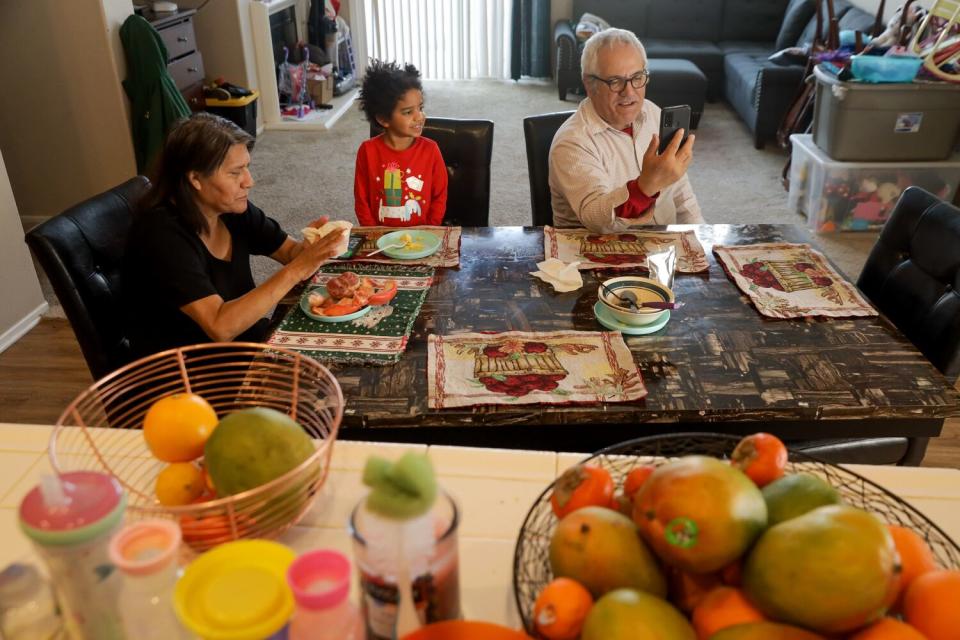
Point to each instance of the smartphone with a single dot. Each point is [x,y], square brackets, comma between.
[672,119]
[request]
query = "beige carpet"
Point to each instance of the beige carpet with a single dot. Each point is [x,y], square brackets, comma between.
[301,175]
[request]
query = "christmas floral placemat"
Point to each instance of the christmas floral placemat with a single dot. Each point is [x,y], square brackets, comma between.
[517,367]
[379,337]
[628,249]
[448,255]
[791,281]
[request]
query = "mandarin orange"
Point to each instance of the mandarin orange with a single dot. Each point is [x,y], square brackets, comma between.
[176,427]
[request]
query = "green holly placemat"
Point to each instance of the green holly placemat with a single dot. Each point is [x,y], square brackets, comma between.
[379,337]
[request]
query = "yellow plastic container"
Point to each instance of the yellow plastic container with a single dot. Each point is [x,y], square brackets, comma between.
[242,111]
[237,591]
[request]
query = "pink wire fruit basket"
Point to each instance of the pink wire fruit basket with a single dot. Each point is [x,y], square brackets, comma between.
[100,430]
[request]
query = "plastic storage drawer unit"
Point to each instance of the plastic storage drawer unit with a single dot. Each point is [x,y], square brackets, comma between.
[855,196]
[241,111]
[883,122]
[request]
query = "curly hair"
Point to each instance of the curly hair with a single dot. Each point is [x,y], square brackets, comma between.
[383,85]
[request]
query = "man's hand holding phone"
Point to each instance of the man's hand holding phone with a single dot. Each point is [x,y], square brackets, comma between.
[659,171]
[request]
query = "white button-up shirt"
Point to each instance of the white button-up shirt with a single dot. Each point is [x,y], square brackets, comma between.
[590,165]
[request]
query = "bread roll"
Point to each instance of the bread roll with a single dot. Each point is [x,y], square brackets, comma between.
[312,234]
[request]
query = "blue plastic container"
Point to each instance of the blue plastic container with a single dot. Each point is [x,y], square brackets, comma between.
[885,68]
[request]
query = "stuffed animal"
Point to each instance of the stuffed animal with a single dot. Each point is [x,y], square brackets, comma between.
[891,35]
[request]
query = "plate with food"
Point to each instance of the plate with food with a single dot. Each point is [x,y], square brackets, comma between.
[346,297]
[409,244]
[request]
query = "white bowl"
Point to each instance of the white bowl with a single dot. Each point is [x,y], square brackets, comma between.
[645,289]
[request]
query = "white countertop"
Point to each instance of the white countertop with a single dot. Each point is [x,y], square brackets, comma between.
[493,487]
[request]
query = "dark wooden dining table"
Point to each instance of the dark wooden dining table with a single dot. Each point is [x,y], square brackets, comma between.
[718,365]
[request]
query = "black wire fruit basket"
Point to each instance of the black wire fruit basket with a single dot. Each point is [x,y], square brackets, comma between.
[531,562]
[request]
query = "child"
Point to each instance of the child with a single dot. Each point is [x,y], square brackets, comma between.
[401,179]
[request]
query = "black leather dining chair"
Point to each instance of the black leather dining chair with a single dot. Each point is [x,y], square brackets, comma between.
[81,251]
[538,132]
[912,276]
[467,148]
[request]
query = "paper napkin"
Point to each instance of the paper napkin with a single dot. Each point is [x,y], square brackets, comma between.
[563,276]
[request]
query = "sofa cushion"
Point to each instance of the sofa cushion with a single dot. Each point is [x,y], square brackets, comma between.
[795,18]
[740,75]
[705,55]
[857,20]
[686,19]
[623,14]
[840,7]
[740,46]
[757,20]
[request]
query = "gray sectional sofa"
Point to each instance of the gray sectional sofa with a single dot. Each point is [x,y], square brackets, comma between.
[729,40]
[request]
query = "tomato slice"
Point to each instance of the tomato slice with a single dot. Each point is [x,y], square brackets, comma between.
[342,307]
[385,294]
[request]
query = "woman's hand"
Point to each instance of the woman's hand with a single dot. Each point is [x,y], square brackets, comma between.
[661,171]
[319,222]
[312,255]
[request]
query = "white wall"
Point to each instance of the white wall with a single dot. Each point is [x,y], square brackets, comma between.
[560,9]
[22,301]
[889,9]
[224,41]
[64,125]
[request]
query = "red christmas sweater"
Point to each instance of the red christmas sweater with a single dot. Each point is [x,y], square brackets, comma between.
[400,188]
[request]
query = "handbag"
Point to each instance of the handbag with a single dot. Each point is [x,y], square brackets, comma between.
[800,113]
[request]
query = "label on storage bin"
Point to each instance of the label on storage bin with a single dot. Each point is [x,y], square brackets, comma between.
[908,123]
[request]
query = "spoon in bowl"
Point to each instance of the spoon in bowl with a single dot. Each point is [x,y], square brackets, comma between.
[630,300]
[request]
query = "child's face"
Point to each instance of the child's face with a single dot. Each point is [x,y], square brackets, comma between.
[408,116]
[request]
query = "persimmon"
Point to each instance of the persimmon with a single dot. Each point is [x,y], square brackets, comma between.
[581,486]
[916,557]
[763,457]
[732,574]
[721,608]
[687,590]
[636,478]
[888,629]
[931,604]
[561,608]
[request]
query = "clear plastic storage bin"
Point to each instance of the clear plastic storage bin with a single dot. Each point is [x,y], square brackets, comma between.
[856,196]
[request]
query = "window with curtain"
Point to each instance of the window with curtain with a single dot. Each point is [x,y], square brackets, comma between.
[445,39]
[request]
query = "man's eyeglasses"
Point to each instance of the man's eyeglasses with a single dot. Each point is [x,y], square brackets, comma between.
[617,83]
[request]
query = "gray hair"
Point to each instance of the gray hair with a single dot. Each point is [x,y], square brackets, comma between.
[606,38]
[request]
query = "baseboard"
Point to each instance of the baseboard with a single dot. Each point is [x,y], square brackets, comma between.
[17,331]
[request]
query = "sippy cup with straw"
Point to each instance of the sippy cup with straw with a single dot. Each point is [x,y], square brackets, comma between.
[70,519]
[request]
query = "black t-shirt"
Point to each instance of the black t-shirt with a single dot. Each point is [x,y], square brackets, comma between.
[167,266]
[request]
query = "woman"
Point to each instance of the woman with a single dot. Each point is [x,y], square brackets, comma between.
[186,276]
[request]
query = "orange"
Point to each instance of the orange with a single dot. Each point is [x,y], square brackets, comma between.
[178,484]
[561,608]
[721,608]
[176,427]
[916,558]
[931,604]
[888,629]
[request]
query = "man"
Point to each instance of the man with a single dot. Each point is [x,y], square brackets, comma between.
[605,172]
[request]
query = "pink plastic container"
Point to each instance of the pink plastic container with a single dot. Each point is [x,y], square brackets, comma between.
[320,581]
